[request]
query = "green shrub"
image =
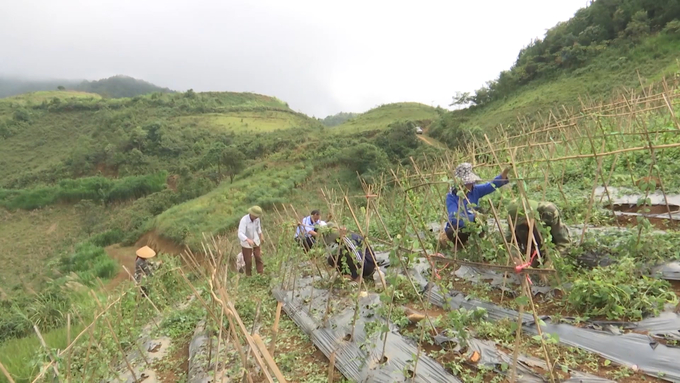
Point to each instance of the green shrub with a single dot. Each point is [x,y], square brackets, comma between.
[619,292]
[108,237]
[96,188]
[89,261]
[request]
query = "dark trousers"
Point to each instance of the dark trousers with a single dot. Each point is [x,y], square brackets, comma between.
[522,236]
[306,242]
[347,261]
[248,255]
[459,238]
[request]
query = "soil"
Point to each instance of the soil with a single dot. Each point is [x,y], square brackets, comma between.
[171,182]
[654,209]
[107,171]
[658,223]
[175,366]
[159,244]
[125,256]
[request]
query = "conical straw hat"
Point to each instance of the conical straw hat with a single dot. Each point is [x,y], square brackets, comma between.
[146,252]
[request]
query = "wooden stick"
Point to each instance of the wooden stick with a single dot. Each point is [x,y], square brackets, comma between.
[268,358]
[275,329]
[6,373]
[68,341]
[331,367]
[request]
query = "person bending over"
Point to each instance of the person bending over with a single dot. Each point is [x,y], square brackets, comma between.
[459,209]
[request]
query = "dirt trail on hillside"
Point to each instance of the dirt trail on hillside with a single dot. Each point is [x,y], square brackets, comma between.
[125,256]
[428,141]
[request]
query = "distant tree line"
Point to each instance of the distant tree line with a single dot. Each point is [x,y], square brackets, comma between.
[112,87]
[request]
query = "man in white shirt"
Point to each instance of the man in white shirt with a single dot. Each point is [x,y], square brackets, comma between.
[250,235]
[306,232]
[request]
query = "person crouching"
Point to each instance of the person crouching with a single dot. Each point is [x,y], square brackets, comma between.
[347,250]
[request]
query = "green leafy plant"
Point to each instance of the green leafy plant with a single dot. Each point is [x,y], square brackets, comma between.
[619,292]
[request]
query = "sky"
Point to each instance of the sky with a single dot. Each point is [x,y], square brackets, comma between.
[322,57]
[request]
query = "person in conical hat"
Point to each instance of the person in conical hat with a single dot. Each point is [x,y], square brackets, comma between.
[143,266]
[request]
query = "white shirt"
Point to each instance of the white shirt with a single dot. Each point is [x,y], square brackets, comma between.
[248,229]
[307,226]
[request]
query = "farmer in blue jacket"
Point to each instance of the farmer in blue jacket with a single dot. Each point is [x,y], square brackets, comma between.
[457,207]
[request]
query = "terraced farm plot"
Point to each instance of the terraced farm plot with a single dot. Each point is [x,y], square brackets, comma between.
[39,97]
[379,118]
[245,122]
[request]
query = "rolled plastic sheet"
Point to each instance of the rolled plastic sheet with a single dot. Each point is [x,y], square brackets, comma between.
[359,357]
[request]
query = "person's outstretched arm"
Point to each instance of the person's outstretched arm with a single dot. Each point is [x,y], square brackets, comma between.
[482,190]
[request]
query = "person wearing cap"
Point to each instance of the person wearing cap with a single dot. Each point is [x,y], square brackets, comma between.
[250,235]
[348,250]
[306,232]
[549,217]
[460,211]
[143,266]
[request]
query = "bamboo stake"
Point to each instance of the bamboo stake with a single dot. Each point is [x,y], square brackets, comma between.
[331,367]
[275,329]
[68,341]
[268,358]
[6,373]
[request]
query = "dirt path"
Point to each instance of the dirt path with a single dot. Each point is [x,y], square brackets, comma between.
[125,256]
[430,141]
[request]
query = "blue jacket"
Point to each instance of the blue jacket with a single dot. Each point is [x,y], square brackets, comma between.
[453,202]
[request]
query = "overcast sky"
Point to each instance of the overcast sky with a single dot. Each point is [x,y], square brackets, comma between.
[322,57]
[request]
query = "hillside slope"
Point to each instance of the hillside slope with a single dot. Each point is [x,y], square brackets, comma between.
[574,63]
[381,117]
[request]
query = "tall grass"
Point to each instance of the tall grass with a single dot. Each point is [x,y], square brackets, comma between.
[222,208]
[20,356]
[96,188]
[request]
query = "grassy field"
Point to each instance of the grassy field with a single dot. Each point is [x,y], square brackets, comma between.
[30,239]
[222,208]
[379,118]
[244,122]
[44,96]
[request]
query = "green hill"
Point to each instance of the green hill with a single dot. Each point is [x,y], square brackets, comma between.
[113,87]
[604,49]
[381,117]
[120,86]
[176,164]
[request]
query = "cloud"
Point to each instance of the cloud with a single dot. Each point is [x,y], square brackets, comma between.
[320,56]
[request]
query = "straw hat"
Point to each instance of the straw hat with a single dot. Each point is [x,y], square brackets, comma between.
[256,211]
[145,252]
[465,174]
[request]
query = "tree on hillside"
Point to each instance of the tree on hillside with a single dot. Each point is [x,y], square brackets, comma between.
[214,157]
[337,119]
[233,161]
[60,87]
[364,158]
[90,214]
[399,140]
